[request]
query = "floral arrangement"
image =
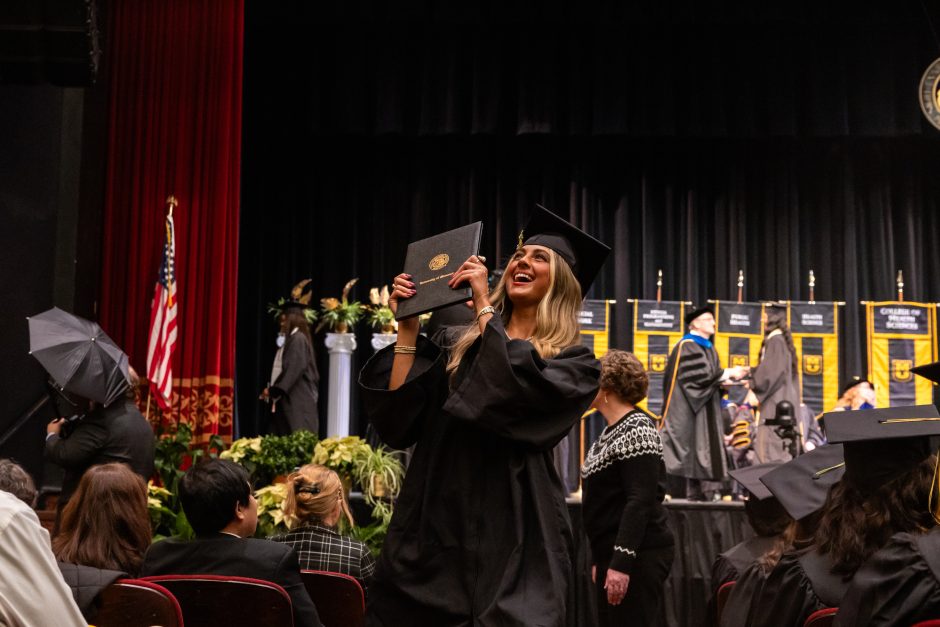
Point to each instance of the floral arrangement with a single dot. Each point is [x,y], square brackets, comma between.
[271,501]
[380,314]
[341,454]
[299,294]
[265,458]
[341,315]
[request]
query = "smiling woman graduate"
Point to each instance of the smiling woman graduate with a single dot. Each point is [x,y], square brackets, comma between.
[480,534]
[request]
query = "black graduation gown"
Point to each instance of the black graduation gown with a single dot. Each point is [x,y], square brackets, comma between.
[732,563]
[296,389]
[898,585]
[774,380]
[747,587]
[692,432]
[800,584]
[480,534]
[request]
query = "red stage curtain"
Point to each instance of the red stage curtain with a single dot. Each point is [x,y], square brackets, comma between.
[175,128]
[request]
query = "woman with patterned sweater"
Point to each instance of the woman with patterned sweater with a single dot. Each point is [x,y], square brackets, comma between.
[624,484]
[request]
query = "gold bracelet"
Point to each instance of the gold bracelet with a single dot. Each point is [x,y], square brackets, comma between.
[405,350]
[489,309]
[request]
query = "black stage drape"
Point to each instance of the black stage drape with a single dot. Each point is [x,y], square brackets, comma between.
[700,140]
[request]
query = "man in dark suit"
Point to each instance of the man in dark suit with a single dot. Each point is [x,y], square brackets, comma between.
[217,499]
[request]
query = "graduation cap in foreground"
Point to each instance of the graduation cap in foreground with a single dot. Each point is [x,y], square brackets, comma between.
[749,477]
[695,313]
[802,484]
[584,254]
[929,371]
[883,444]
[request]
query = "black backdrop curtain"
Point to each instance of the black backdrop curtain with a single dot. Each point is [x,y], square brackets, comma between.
[784,145]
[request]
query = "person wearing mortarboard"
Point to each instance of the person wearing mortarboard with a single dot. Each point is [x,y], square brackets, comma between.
[887,488]
[900,583]
[691,424]
[294,391]
[480,533]
[800,486]
[858,393]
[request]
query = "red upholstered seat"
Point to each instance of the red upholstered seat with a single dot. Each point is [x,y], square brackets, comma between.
[721,598]
[933,622]
[210,600]
[821,618]
[137,603]
[339,598]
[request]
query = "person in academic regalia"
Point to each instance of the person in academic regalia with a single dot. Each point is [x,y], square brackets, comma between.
[624,483]
[801,487]
[774,380]
[480,533]
[693,442]
[294,391]
[889,475]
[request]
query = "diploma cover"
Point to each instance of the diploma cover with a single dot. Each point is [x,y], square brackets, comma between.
[431,262]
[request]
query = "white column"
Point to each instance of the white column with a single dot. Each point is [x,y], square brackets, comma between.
[340,346]
[381,340]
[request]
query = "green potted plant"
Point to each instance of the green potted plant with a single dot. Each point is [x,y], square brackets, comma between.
[340,315]
[342,455]
[381,315]
[379,473]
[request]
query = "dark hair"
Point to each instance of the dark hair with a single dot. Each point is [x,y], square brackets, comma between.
[294,318]
[106,523]
[797,535]
[209,492]
[16,481]
[624,375]
[768,518]
[856,523]
[777,319]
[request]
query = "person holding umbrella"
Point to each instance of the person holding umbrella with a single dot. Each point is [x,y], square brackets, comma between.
[89,378]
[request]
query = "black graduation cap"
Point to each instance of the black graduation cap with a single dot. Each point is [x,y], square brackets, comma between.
[583,253]
[749,477]
[857,380]
[695,313]
[802,484]
[929,371]
[882,444]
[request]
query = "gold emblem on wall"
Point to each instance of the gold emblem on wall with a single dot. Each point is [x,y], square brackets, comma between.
[812,364]
[739,360]
[901,370]
[438,261]
[657,363]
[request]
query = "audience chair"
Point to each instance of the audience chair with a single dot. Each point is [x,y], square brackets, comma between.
[137,603]
[339,598]
[822,618]
[721,598]
[210,600]
[933,622]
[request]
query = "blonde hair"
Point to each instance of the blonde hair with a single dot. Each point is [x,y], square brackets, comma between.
[556,321]
[312,493]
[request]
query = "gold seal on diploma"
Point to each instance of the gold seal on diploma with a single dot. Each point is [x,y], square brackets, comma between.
[438,261]
[929,93]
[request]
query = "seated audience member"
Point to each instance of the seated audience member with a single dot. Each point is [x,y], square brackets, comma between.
[767,517]
[889,476]
[106,523]
[315,503]
[858,393]
[218,503]
[32,591]
[801,487]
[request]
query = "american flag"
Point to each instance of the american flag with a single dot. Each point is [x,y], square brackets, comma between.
[163,323]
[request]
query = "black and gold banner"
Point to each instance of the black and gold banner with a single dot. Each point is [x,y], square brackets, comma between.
[739,333]
[594,319]
[900,336]
[657,327]
[815,329]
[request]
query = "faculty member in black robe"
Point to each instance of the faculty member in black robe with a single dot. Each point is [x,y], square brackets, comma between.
[480,534]
[693,442]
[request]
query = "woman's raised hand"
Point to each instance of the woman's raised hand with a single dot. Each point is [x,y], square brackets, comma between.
[402,289]
[474,273]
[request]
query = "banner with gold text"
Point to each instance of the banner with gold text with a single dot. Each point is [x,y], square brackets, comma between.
[900,336]
[657,327]
[739,333]
[594,319]
[815,329]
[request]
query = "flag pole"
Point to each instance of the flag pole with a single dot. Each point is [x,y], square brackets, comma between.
[812,288]
[659,287]
[900,283]
[740,286]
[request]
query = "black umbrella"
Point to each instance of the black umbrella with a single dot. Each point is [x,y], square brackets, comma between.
[80,357]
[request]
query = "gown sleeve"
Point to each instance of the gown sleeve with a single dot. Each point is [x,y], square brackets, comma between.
[747,587]
[787,597]
[507,388]
[638,479]
[894,587]
[399,415]
[697,378]
[771,371]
